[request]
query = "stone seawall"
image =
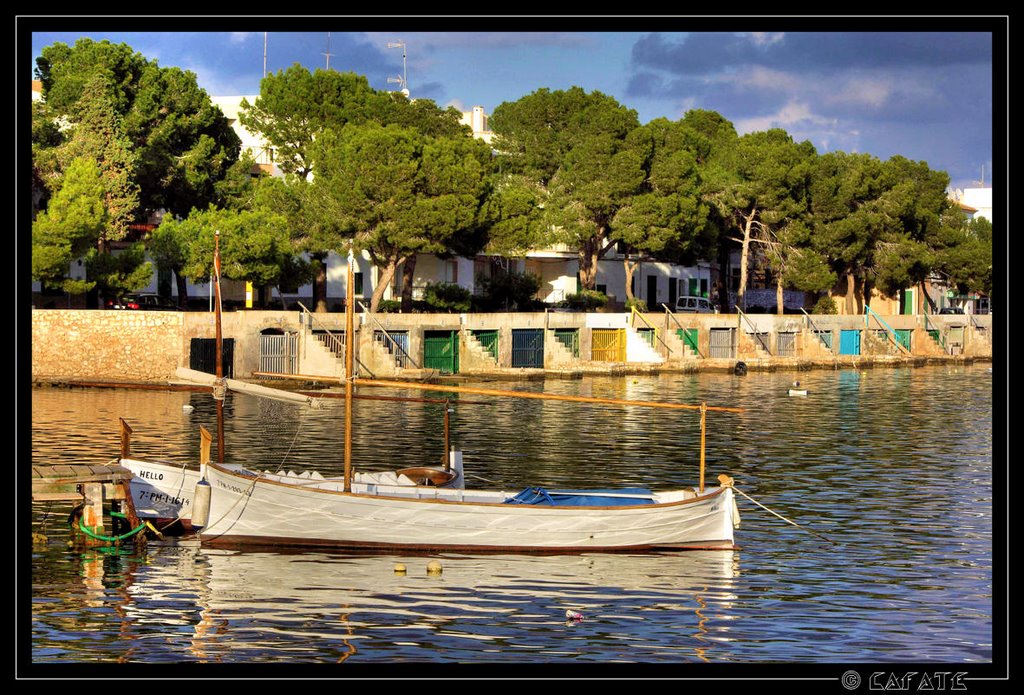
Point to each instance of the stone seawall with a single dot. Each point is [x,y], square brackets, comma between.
[131,345]
[148,346]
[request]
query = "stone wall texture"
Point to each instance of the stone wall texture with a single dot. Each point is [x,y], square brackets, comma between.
[84,344]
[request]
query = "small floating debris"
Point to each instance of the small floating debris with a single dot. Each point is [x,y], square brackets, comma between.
[740,369]
[573,617]
[796,390]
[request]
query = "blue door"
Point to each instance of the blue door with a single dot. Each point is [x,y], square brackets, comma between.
[849,342]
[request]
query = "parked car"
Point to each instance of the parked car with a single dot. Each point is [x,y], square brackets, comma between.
[951,310]
[144,301]
[695,305]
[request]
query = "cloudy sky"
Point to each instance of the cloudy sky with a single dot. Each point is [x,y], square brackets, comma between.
[927,94]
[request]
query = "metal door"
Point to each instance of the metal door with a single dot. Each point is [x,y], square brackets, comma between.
[722,342]
[903,337]
[489,341]
[441,351]
[528,347]
[786,345]
[202,355]
[652,291]
[279,353]
[608,345]
[955,340]
[570,338]
[849,342]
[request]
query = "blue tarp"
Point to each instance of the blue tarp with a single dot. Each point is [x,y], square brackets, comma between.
[583,498]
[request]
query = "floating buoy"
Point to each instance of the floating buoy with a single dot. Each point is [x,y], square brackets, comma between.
[434,567]
[399,568]
[796,390]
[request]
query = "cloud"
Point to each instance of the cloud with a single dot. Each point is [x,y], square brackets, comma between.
[237,37]
[432,41]
[698,53]
[766,38]
[793,115]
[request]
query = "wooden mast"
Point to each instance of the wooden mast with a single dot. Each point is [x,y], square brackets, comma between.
[349,362]
[219,389]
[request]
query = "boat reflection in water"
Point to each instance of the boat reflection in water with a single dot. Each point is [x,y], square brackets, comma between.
[319,607]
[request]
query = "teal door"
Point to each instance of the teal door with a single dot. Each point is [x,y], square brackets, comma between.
[849,342]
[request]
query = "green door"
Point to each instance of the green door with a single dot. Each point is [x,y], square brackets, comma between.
[441,351]
[908,301]
[903,337]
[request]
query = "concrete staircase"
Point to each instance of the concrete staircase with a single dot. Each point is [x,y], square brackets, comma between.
[556,354]
[476,355]
[637,349]
[680,350]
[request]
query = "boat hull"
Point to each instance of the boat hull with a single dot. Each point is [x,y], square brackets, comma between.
[247,510]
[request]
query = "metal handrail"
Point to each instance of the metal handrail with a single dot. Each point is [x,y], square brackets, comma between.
[889,332]
[653,328]
[753,330]
[334,339]
[817,331]
[388,335]
[681,326]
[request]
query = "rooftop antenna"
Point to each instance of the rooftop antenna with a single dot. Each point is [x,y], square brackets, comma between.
[400,80]
[328,53]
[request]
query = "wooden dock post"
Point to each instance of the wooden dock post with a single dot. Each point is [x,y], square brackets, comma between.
[93,486]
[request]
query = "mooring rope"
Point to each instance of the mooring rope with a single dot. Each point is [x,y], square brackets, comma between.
[784,518]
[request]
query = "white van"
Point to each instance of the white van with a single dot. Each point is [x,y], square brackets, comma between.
[695,305]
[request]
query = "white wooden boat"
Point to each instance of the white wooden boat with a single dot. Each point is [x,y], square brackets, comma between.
[235,506]
[250,509]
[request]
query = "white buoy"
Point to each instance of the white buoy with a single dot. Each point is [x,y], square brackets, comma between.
[201,504]
[796,390]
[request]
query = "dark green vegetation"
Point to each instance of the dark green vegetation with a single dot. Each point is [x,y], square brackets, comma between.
[118,138]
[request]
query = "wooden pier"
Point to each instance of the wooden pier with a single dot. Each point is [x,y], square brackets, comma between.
[94,486]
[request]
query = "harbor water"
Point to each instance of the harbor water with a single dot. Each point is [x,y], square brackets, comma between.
[893,465]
